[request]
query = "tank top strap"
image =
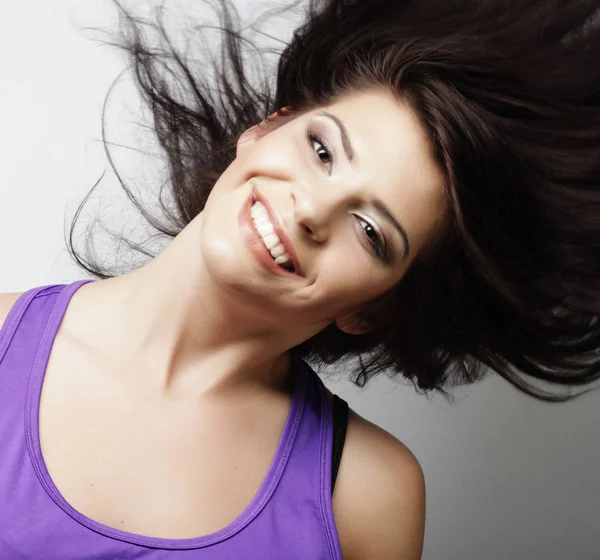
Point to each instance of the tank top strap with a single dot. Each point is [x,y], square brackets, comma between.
[20,337]
[309,473]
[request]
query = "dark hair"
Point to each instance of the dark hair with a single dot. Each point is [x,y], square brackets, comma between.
[510,97]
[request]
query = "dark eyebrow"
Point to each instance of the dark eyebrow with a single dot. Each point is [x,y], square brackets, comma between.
[378,205]
[348,149]
[383,210]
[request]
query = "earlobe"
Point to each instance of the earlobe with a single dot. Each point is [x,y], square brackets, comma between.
[252,134]
[246,139]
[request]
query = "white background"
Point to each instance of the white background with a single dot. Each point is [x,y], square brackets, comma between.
[507,477]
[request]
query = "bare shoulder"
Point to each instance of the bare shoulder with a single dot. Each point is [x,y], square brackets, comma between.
[379,498]
[7,300]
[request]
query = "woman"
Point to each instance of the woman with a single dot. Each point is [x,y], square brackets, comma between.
[426,199]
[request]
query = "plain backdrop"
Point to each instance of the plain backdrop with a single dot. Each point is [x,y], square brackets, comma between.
[507,477]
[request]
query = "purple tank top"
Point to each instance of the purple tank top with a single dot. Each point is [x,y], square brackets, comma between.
[291,516]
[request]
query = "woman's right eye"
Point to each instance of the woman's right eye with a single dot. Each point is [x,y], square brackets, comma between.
[325,150]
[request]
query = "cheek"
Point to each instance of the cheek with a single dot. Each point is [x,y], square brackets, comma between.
[349,277]
[221,242]
[217,249]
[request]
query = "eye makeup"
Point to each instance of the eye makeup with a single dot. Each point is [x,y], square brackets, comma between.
[370,231]
[312,137]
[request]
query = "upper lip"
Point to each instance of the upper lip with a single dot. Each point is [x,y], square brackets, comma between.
[279,230]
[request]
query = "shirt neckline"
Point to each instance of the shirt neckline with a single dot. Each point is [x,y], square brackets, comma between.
[257,503]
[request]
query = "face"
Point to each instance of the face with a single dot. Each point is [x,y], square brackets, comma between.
[357,206]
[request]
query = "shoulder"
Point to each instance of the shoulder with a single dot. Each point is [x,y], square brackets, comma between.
[379,498]
[7,301]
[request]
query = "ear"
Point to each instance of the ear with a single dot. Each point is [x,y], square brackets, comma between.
[352,324]
[254,133]
[247,139]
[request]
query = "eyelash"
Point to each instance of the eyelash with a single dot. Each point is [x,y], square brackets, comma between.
[378,247]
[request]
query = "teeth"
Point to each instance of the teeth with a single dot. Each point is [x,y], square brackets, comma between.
[258,210]
[264,227]
[277,250]
[271,241]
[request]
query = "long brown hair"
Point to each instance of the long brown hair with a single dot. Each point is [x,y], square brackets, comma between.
[510,96]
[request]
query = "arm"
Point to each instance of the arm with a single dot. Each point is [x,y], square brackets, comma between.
[380,501]
[395,522]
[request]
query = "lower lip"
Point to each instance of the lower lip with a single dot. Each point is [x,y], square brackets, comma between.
[255,243]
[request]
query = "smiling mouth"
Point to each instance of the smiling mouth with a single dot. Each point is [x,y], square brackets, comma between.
[271,241]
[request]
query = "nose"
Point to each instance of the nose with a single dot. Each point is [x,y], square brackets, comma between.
[316,210]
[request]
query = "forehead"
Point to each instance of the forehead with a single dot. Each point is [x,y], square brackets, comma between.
[393,159]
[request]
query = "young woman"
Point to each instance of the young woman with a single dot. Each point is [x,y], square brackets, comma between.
[426,199]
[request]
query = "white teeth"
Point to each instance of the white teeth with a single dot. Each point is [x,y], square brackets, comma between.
[270,241]
[258,210]
[264,227]
[277,250]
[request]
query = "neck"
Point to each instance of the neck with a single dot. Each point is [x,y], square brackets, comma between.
[170,323]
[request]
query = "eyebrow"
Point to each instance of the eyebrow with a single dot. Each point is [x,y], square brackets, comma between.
[378,205]
[343,132]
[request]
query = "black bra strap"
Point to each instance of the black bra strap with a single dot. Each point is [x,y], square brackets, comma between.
[340,422]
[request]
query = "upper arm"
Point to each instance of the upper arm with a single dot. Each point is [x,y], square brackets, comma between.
[397,517]
[381,501]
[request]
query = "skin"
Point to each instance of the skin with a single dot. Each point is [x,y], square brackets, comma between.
[204,316]
[204,321]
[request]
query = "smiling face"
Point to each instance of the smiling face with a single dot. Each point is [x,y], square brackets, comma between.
[356,190]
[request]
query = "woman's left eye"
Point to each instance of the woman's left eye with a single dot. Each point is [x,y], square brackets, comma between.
[325,151]
[377,243]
